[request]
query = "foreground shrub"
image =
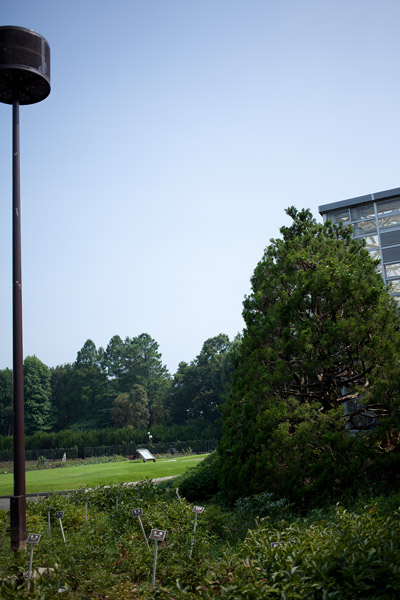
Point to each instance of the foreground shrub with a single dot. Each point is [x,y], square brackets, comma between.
[345,556]
[249,510]
[201,482]
[107,555]
[332,554]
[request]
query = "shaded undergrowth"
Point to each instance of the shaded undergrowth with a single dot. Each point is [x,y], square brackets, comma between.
[259,549]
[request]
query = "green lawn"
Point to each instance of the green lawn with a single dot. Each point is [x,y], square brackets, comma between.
[84,476]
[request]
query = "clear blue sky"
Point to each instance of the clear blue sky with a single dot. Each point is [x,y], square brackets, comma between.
[175,135]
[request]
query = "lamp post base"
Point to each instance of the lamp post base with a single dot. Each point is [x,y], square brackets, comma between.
[18,523]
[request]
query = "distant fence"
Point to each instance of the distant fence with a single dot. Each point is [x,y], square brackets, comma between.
[121,449]
[49,453]
[155,448]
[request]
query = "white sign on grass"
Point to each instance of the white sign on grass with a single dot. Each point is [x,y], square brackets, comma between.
[145,454]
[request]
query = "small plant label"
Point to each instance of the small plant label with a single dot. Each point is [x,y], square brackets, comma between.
[49,508]
[275,544]
[33,538]
[158,535]
[59,515]
[138,512]
[197,511]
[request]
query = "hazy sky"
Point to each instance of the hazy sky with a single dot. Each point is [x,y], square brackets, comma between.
[175,135]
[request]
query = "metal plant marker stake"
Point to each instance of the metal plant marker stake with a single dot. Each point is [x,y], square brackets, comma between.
[33,539]
[86,508]
[48,519]
[5,529]
[158,535]
[137,512]
[59,515]
[197,511]
[116,502]
[144,534]
[30,566]
[61,588]
[24,79]
[153,578]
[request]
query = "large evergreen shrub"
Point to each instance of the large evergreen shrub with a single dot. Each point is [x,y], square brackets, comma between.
[321,340]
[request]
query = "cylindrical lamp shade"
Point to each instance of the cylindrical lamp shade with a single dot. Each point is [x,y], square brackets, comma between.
[24,66]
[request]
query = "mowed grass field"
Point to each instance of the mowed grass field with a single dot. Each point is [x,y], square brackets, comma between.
[85,476]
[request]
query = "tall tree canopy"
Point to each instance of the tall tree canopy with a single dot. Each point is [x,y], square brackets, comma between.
[321,330]
[131,410]
[137,361]
[6,401]
[199,388]
[37,394]
[89,388]
[83,392]
[65,396]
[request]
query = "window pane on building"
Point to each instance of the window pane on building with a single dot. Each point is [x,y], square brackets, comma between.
[393,270]
[364,227]
[375,254]
[366,211]
[389,221]
[339,216]
[371,242]
[394,286]
[388,206]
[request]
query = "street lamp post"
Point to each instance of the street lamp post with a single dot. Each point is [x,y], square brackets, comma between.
[24,79]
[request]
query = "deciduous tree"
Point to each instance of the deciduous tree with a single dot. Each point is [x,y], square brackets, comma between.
[131,410]
[199,388]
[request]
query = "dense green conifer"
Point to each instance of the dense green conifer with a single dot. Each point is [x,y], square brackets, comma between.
[322,334]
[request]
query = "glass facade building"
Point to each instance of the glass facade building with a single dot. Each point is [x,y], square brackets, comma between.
[376,218]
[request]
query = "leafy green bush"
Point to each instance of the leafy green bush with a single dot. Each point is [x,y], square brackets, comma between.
[200,482]
[349,556]
[107,555]
[346,555]
[248,510]
[332,553]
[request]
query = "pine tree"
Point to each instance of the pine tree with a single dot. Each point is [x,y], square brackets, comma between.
[321,331]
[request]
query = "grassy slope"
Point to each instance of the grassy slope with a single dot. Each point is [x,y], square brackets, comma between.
[51,480]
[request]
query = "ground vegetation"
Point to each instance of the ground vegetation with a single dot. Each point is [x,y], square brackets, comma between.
[259,549]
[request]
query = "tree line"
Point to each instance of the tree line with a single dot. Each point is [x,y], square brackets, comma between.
[125,384]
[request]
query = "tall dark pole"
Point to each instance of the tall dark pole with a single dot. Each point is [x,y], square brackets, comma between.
[24,79]
[18,501]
